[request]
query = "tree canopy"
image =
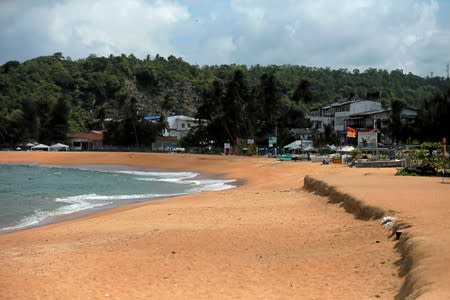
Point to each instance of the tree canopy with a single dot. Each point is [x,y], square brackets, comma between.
[44,98]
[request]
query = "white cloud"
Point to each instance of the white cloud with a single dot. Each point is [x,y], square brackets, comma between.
[218,48]
[404,34]
[78,28]
[346,33]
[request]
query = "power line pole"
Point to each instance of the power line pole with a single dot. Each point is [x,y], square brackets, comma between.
[447,70]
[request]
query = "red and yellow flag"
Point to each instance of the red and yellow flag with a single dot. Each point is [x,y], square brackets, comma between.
[351,133]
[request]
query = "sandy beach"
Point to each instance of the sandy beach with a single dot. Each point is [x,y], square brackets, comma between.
[268,238]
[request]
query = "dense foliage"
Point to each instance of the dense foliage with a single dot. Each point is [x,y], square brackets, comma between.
[427,161]
[44,98]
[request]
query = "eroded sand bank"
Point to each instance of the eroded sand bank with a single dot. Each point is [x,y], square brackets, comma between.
[267,238]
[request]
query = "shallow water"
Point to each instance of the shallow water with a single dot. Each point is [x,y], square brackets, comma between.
[31,194]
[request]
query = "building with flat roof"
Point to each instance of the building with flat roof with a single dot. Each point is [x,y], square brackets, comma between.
[338,113]
[361,115]
[179,126]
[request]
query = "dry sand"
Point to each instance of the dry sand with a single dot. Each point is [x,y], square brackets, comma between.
[265,239]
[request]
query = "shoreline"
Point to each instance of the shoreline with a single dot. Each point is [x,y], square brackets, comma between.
[226,244]
[60,218]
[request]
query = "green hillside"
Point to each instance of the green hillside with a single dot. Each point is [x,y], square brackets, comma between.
[44,98]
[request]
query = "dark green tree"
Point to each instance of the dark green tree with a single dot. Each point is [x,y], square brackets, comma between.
[58,121]
[234,105]
[269,101]
[394,125]
[96,89]
[433,121]
[211,110]
[131,117]
[31,122]
[303,92]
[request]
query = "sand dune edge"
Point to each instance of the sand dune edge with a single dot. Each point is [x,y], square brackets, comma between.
[413,284]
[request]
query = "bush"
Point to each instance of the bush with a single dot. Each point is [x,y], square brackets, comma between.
[428,161]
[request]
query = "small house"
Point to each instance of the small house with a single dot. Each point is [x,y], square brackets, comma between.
[85,141]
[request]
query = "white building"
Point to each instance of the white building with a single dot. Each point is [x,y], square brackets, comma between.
[361,115]
[345,110]
[337,113]
[179,126]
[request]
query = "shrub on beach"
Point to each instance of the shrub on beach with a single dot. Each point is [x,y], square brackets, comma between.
[428,161]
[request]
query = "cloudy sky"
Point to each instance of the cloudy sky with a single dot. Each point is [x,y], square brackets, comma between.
[412,35]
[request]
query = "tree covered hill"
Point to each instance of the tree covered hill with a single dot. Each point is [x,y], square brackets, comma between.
[43,98]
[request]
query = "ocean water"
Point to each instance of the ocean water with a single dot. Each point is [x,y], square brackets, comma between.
[31,195]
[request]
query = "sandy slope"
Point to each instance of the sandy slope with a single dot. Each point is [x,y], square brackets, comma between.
[265,239]
[423,206]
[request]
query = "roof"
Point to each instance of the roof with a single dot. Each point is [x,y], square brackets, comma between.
[374,112]
[368,113]
[299,144]
[166,139]
[58,145]
[352,101]
[302,131]
[40,146]
[181,117]
[341,103]
[90,136]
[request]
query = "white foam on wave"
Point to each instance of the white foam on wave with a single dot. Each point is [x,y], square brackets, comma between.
[73,204]
[78,203]
[184,178]
[211,185]
[199,185]
[172,180]
[34,219]
[180,178]
[160,175]
[95,197]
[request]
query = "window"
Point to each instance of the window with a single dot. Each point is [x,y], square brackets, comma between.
[183,125]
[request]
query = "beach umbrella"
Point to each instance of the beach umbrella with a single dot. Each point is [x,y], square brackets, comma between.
[347,149]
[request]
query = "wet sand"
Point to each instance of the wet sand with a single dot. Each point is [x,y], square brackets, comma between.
[267,238]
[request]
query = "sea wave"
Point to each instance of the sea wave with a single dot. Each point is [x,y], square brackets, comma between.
[199,185]
[95,197]
[78,203]
[37,217]
[161,175]
[83,202]
[211,185]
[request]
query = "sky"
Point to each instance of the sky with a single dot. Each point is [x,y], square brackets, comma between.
[411,35]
